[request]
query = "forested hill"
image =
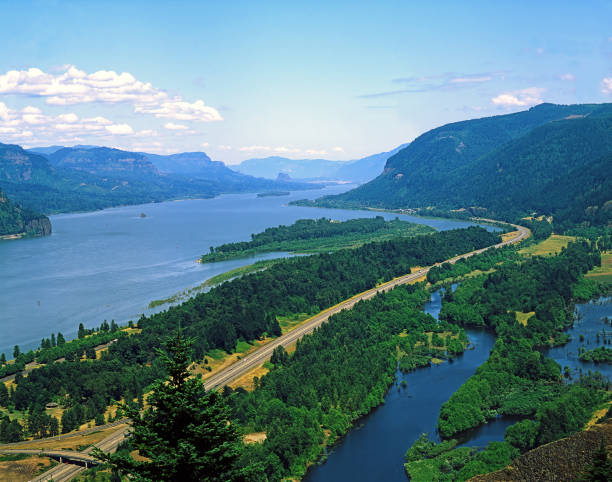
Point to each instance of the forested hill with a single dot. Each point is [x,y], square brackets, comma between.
[15,220]
[89,177]
[500,162]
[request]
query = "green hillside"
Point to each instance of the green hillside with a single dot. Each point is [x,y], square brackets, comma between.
[15,220]
[502,165]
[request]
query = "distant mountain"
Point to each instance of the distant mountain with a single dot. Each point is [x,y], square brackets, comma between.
[498,166]
[16,221]
[360,170]
[87,178]
[269,167]
[103,161]
[193,163]
[367,168]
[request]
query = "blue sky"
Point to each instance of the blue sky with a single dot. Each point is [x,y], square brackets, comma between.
[337,80]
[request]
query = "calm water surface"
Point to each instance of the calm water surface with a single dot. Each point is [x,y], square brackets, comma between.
[110,264]
[375,449]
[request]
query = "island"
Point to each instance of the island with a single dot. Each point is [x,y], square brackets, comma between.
[273,193]
[316,236]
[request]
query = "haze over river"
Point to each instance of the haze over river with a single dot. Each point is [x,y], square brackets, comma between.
[110,264]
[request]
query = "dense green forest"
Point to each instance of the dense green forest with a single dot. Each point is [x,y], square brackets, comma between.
[601,354]
[323,235]
[240,309]
[517,379]
[338,374]
[16,220]
[551,160]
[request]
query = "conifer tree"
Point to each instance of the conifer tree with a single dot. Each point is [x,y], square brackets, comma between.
[185,432]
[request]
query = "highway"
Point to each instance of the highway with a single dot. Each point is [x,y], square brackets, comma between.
[64,472]
[253,360]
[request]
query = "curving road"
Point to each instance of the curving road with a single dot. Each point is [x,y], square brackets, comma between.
[253,360]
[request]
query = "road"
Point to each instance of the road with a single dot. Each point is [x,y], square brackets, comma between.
[253,360]
[64,472]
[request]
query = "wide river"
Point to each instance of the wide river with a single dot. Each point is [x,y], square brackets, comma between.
[110,264]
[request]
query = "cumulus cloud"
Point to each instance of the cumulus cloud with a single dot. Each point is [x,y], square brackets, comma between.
[337,149]
[121,129]
[316,152]
[606,87]
[74,86]
[30,122]
[254,148]
[175,127]
[519,98]
[223,147]
[204,144]
[569,77]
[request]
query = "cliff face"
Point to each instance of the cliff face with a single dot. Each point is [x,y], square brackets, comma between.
[17,222]
[38,227]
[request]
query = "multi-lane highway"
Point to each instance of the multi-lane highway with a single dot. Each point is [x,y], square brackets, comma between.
[256,358]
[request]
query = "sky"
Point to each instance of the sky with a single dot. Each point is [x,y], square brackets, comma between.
[312,79]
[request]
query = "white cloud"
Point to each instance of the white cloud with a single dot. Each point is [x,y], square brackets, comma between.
[315,152]
[470,80]
[121,129]
[181,110]
[223,147]
[286,150]
[337,149]
[568,76]
[30,122]
[175,127]
[254,148]
[204,144]
[68,117]
[520,98]
[606,86]
[74,86]
[146,133]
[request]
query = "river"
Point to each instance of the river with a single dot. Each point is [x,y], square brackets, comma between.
[375,448]
[110,264]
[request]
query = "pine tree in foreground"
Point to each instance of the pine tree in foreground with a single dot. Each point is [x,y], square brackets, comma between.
[184,433]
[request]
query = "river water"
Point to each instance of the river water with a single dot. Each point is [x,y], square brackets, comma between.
[375,449]
[110,264]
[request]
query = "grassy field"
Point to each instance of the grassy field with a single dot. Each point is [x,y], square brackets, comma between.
[21,469]
[548,247]
[602,273]
[523,317]
[215,280]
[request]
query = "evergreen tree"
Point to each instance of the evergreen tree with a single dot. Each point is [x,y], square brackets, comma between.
[4,395]
[16,351]
[3,358]
[601,468]
[82,331]
[185,431]
[60,339]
